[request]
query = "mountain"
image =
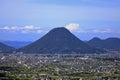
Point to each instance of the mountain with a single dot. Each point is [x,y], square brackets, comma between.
[112,44]
[16,44]
[59,40]
[5,48]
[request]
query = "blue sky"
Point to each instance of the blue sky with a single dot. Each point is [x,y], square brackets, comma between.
[28,20]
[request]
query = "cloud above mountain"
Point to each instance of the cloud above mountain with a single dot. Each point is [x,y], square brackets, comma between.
[75,27]
[72,26]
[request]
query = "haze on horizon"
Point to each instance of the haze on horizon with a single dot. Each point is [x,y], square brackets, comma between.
[28,20]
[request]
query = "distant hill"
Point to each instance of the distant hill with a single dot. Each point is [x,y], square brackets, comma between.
[5,48]
[112,44]
[59,40]
[16,44]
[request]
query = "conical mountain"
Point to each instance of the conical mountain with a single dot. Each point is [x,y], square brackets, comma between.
[5,48]
[112,44]
[59,40]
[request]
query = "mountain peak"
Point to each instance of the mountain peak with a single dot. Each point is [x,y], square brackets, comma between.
[112,44]
[96,38]
[59,29]
[59,40]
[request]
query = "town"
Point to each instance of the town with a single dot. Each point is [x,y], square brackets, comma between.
[19,66]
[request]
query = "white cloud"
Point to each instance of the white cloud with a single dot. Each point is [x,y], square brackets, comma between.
[14,28]
[76,28]
[29,27]
[102,31]
[9,28]
[24,29]
[72,26]
[5,28]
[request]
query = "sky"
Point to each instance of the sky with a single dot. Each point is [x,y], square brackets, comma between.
[29,20]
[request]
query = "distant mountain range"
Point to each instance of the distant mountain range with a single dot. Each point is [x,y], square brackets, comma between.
[62,41]
[16,44]
[111,44]
[5,48]
[59,40]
